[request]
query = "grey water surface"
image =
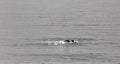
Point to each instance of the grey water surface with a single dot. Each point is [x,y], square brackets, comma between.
[25,23]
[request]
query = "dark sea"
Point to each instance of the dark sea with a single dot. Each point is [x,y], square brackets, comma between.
[25,23]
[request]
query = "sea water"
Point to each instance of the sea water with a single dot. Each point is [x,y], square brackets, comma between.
[25,23]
